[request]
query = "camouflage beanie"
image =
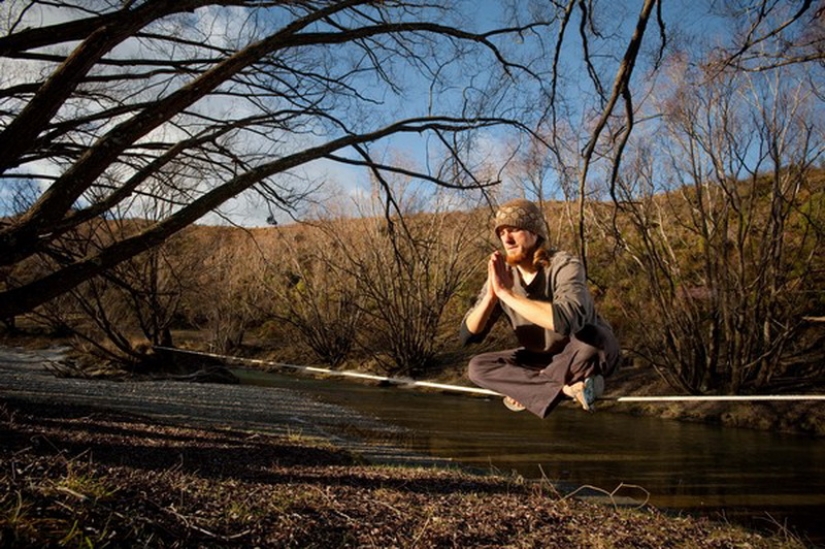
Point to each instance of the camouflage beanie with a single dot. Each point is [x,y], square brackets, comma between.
[521,214]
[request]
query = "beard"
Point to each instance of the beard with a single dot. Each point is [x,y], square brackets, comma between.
[523,258]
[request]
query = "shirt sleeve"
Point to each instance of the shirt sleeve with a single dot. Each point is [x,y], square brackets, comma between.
[573,305]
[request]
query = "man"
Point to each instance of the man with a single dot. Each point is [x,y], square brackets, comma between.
[566,347]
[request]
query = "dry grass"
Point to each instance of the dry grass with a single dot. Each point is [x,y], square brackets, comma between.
[79,477]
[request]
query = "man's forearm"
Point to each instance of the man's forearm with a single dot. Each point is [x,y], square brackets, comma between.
[537,312]
[477,319]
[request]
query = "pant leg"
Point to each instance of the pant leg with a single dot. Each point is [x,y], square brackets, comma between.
[602,338]
[535,379]
[517,374]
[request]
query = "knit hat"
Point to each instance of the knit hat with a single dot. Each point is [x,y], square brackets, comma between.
[521,214]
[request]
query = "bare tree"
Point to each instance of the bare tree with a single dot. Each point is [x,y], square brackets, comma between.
[405,274]
[197,101]
[224,306]
[309,288]
[616,57]
[712,231]
[769,35]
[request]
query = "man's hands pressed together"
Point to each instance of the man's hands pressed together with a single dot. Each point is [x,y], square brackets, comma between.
[501,280]
[499,276]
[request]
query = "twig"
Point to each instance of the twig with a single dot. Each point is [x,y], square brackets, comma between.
[204,531]
[78,495]
[612,495]
[421,532]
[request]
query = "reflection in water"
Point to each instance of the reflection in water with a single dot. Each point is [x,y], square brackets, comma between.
[760,478]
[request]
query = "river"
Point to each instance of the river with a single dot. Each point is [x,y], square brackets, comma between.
[763,480]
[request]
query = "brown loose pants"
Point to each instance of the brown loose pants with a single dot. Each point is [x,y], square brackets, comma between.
[535,379]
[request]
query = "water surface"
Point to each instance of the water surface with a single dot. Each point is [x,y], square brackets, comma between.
[758,478]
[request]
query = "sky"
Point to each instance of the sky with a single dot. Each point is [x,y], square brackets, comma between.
[349,183]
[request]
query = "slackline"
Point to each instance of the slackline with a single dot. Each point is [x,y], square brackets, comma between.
[407,382]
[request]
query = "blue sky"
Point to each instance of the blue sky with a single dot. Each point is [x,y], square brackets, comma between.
[350,183]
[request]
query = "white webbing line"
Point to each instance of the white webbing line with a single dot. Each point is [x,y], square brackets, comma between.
[342,373]
[712,398]
[479,391]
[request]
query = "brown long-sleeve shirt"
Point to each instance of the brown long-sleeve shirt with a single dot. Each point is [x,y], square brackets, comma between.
[562,283]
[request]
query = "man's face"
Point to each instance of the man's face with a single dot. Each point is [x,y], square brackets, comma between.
[518,243]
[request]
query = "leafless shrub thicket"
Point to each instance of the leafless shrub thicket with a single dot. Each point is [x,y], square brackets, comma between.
[121,314]
[362,286]
[225,304]
[724,259]
[407,274]
[308,288]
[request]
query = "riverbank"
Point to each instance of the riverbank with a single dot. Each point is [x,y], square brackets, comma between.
[84,476]
[796,416]
[172,464]
[791,417]
[799,417]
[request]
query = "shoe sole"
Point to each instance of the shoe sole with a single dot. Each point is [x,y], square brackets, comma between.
[512,405]
[587,392]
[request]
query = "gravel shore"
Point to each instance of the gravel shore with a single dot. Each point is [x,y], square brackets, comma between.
[27,375]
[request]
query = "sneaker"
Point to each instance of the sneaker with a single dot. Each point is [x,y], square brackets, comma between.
[586,392]
[513,405]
